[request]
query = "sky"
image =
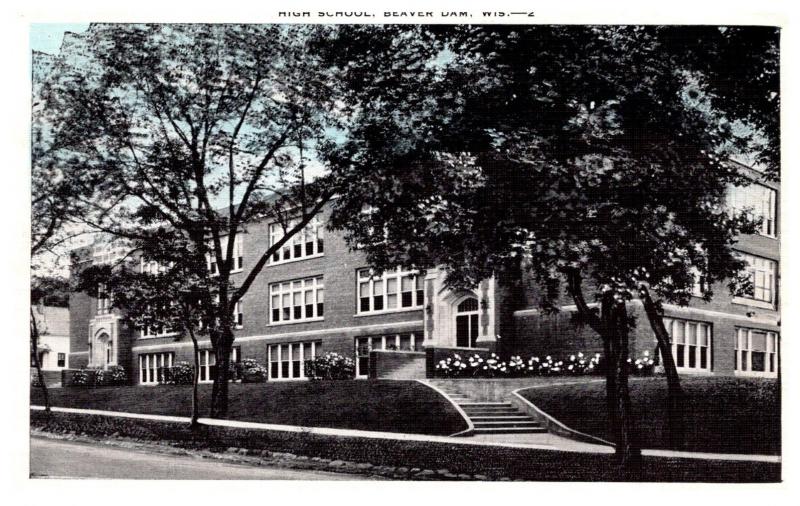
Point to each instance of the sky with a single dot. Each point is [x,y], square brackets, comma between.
[46,37]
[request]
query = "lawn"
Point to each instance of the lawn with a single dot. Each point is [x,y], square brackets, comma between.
[390,406]
[494,462]
[725,415]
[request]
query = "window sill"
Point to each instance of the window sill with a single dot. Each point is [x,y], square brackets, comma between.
[755,374]
[696,372]
[742,301]
[282,262]
[293,322]
[389,311]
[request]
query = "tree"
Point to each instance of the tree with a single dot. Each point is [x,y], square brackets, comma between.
[168,294]
[200,129]
[574,152]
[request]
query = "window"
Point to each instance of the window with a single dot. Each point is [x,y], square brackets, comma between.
[110,352]
[402,342]
[156,330]
[62,360]
[762,276]
[152,365]
[103,300]
[238,316]
[207,360]
[151,267]
[106,250]
[759,202]
[287,361]
[691,344]
[299,300]
[237,263]
[309,242]
[389,291]
[756,352]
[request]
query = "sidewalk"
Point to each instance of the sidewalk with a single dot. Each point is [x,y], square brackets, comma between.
[522,441]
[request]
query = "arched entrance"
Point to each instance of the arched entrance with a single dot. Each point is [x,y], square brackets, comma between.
[467,322]
[103,350]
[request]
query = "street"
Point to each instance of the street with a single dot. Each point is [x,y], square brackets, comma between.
[68,459]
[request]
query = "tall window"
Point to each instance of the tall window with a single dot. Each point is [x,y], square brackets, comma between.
[759,201]
[110,352]
[762,277]
[207,360]
[298,300]
[691,344]
[62,360]
[308,242]
[393,290]
[238,316]
[237,261]
[152,365]
[103,300]
[287,361]
[756,352]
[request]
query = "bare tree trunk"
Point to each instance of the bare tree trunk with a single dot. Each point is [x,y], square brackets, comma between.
[195,379]
[629,453]
[219,406]
[35,354]
[612,326]
[676,400]
[610,359]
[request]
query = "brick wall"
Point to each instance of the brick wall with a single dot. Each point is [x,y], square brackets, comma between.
[396,365]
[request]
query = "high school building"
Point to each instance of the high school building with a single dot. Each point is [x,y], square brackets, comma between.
[316,296]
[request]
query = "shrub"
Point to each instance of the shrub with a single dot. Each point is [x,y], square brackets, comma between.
[112,376]
[181,373]
[644,365]
[35,379]
[250,371]
[330,366]
[493,367]
[83,377]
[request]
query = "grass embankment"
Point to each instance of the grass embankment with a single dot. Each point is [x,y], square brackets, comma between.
[724,415]
[389,406]
[493,462]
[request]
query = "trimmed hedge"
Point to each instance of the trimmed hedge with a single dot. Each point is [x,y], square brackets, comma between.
[494,462]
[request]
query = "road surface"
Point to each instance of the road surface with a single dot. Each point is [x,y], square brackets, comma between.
[68,459]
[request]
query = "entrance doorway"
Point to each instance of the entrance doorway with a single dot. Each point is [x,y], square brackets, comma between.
[467,323]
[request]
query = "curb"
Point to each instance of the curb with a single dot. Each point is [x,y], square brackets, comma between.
[553,425]
[470,430]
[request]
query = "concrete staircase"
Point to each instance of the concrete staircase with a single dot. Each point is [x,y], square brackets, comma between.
[495,417]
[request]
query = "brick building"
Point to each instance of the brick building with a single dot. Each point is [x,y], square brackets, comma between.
[316,295]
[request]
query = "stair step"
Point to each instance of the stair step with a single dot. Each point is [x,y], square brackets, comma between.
[486,404]
[509,409]
[520,423]
[510,430]
[499,418]
[493,413]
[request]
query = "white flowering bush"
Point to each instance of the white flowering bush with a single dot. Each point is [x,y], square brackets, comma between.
[452,367]
[251,371]
[643,365]
[331,366]
[83,377]
[492,366]
[114,375]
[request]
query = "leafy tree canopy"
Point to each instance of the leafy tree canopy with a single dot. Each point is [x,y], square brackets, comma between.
[602,150]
